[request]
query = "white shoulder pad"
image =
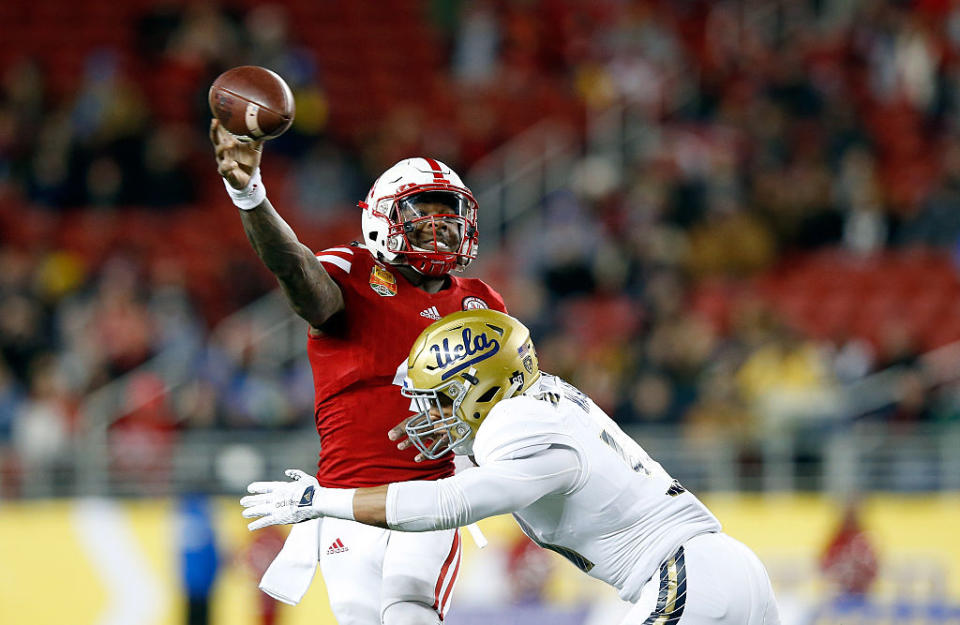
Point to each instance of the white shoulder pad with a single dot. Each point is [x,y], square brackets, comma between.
[519,427]
[401,373]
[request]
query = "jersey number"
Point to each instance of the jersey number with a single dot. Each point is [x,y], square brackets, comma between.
[633,462]
[570,392]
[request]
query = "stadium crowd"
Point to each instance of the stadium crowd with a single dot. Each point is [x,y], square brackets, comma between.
[775,136]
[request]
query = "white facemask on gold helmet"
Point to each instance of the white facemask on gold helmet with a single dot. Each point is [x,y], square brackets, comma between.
[458,369]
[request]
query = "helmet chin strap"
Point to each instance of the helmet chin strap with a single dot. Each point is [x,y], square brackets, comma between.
[470,378]
[420,272]
[419,265]
[512,390]
[464,446]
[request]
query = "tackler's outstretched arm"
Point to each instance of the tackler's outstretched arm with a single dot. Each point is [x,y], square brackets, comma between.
[420,506]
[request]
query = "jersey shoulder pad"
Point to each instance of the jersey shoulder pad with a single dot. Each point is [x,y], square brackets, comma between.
[519,427]
[479,294]
[340,260]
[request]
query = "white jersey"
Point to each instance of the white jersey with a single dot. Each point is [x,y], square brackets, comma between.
[623,515]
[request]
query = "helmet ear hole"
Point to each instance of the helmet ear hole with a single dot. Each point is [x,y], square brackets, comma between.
[372,235]
[488,395]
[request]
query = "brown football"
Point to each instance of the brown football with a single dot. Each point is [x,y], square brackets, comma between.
[252,102]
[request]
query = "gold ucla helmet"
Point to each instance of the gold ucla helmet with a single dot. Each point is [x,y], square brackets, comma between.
[458,369]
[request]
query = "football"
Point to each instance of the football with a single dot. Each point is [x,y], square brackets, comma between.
[252,102]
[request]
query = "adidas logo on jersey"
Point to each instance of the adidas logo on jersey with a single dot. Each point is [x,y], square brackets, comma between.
[337,547]
[431,313]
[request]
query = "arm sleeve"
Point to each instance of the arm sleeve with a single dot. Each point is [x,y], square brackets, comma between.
[488,490]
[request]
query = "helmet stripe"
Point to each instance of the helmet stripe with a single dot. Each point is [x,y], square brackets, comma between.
[437,170]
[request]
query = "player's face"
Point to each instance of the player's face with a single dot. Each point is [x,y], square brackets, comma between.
[436,429]
[447,411]
[447,405]
[438,234]
[433,220]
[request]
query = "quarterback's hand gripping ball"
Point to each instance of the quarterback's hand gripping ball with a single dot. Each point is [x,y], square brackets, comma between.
[236,161]
[280,503]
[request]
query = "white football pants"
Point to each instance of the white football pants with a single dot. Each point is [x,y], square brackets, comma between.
[712,579]
[369,569]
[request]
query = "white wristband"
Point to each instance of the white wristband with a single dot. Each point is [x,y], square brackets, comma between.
[335,502]
[249,197]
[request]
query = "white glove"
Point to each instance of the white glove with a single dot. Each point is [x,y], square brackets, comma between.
[279,503]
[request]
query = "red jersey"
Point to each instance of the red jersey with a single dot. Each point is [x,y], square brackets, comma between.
[355,361]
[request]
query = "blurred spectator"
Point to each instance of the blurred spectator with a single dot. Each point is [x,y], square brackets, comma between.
[204,36]
[720,413]
[528,568]
[120,320]
[42,429]
[267,28]
[262,548]
[166,180]
[141,441]
[730,244]
[852,360]
[787,379]
[650,400]
[11,396]
[849,560]
[199,556]
[177,333]
[326,183]
[22,335]
[476,44]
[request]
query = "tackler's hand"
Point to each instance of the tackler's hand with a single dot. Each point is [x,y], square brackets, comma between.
[279,503]
[399,433]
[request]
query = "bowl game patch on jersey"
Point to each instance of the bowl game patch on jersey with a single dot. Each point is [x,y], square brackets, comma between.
[382,281]
[473,303]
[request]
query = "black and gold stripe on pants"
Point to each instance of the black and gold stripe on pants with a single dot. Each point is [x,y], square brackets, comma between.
[673,592]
